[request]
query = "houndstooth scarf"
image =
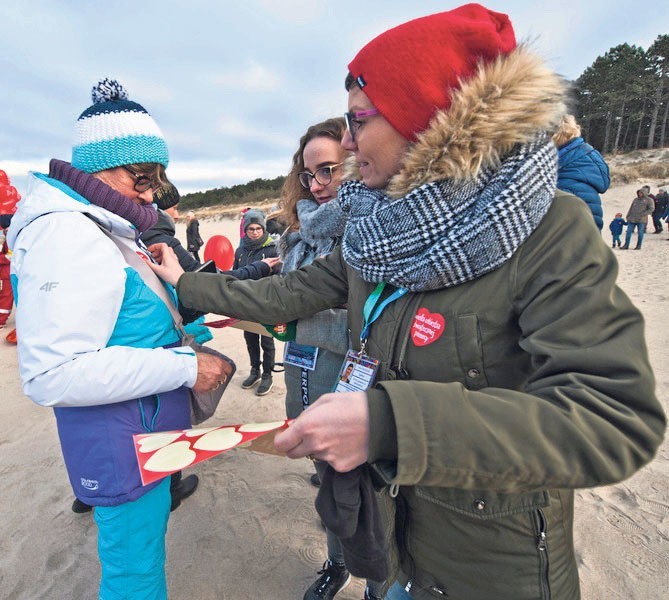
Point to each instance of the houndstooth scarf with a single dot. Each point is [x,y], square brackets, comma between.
[448,232]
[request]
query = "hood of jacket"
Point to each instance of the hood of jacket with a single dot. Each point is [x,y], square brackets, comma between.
[578,162]
[504,104]
[47,195]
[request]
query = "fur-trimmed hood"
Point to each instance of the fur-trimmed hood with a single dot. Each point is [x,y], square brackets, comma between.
[504,104]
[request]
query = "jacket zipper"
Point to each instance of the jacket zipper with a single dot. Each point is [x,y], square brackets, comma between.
[542,548]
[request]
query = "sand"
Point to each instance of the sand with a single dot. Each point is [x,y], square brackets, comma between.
[251,531]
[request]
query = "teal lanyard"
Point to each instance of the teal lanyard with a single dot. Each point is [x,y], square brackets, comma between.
[371,312]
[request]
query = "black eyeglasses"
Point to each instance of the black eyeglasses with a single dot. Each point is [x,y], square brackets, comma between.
[322,176]
[142,182]
[353,122]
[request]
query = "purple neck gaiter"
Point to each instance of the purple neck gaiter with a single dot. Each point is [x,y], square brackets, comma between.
[95,191]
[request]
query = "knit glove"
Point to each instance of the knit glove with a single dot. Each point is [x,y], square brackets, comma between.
[200,332]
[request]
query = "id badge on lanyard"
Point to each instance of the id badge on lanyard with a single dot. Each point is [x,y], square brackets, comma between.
[358,371]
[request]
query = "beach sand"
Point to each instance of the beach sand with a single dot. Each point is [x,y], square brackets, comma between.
[251,530]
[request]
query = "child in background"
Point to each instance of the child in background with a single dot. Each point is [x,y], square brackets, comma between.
[257,245]
[616,227]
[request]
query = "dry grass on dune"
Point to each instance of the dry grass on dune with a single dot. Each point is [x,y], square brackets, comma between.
[228,211]
[639,165]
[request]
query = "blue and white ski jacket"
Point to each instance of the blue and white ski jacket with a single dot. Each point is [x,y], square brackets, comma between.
[94,341]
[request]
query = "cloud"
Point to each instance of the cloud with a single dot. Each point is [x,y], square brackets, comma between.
[189,176]
[252,78]
[301,12]
[232,127]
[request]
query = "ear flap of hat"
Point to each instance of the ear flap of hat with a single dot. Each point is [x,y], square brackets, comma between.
[166,196]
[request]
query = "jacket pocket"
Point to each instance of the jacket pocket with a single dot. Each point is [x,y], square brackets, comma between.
[482,504]
[498,534]
[470,351]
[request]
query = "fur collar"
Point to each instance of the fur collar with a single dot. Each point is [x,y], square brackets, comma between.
[505,104]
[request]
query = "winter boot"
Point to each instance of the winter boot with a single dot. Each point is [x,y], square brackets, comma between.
[252,379]
[265,385]
[333,578]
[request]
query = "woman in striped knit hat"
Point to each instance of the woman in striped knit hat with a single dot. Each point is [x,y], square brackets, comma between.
[95,342]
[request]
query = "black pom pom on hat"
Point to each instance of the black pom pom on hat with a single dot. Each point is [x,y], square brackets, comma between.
[108,90]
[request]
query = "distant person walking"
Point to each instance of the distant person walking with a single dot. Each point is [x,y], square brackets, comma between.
[642,206]
[661,203]
[616,228]
[193,239]
[582,170]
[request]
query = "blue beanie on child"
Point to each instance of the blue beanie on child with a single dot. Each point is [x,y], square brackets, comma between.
[115,131]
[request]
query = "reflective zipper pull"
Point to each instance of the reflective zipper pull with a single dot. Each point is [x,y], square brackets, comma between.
[541,540]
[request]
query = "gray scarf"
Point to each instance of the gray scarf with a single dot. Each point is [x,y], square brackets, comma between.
[448,232]
[321,227]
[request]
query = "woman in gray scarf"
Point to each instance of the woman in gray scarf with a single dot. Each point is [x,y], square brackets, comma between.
[315,224]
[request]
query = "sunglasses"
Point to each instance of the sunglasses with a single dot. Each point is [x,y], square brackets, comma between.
[353,122]
[323,176]
[142,182]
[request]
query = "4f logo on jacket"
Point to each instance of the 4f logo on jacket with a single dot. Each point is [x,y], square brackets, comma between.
[48,286]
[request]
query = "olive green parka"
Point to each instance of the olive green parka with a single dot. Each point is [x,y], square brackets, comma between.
[496,398]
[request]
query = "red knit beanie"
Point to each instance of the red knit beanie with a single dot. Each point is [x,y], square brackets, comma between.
[409,72]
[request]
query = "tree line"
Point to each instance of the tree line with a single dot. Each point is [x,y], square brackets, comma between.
[623,98]
[248,194]
[622,104]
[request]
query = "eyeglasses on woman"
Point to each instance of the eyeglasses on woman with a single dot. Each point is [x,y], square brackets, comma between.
[353,122]
[142,182]
[323,176]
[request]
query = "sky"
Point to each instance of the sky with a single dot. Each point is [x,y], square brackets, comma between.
[233,85]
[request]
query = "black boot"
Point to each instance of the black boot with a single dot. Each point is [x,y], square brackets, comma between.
[266,384]
[80,507]
[180,489]
[252,379]
[333,578]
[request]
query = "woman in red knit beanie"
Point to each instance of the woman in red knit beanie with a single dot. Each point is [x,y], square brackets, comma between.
[484,314]
[485,413]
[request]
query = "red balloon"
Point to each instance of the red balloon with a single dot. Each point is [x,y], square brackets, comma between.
[4,179]
[9,196]
[219,249]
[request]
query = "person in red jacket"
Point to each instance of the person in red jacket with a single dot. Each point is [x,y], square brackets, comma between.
[6,295]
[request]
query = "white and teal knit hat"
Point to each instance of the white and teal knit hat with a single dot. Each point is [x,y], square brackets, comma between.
[116,131]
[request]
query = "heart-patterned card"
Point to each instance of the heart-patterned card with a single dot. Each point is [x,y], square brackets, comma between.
[161,454]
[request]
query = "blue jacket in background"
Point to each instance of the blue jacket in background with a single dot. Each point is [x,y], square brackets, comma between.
[583,172]
[616,226]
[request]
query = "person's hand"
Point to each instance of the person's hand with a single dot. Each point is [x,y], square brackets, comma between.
[335,429]
[212,371]
[272,262]
[168,267]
